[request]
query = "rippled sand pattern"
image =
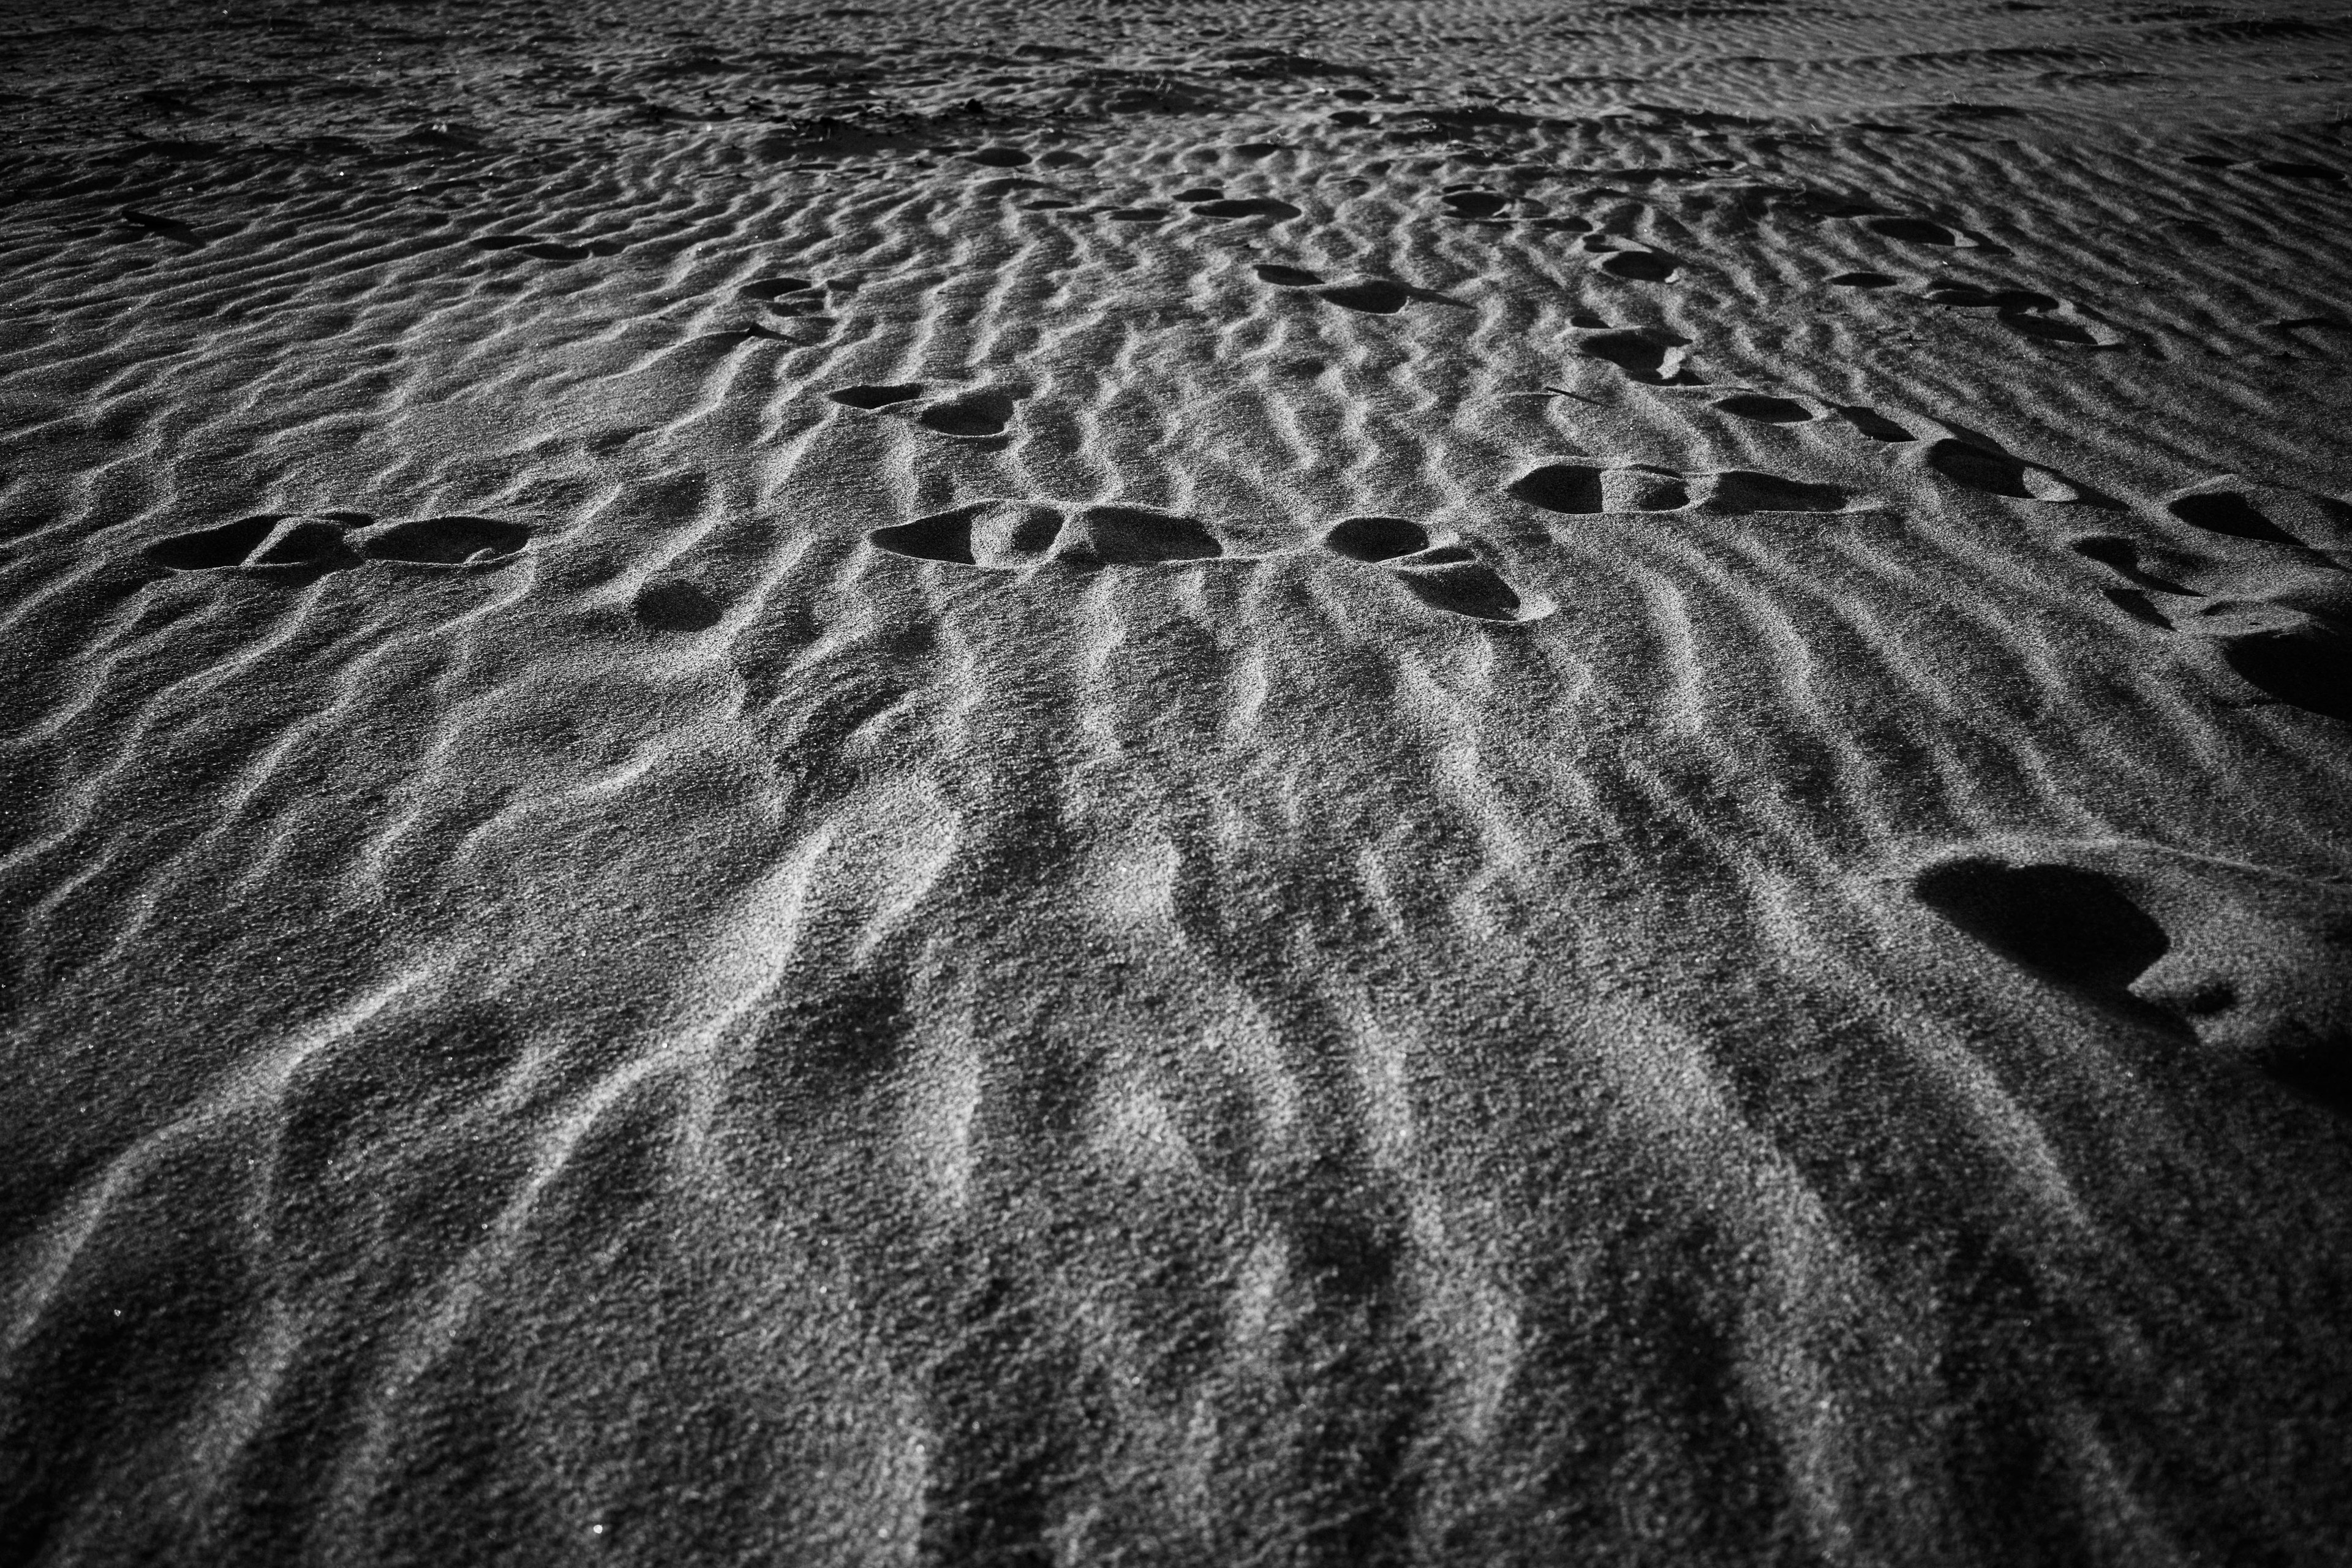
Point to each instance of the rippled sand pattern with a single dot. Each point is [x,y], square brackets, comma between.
[1457,783]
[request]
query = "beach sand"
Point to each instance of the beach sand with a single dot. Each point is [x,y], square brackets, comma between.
[1066,782]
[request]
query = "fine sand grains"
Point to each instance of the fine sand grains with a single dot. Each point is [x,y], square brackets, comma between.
[1175,784]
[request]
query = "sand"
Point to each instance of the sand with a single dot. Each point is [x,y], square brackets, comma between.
[1071,782]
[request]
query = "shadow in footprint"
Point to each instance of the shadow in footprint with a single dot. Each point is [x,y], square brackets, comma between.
[2254,965]
[1745,489]
[1580,488]
[675,605]
[1452,578]
[1476,204]
[1376,538]
[1974,467]
[767,288]
[1912,230]
[975,415]
[1373,296]
[2069,925]
[163,227]
[1764,410]
[879,396]
[545,247]
[1872,423]
[1656,358]
[1004,535]
[2280,617]
[1137,536]
[2272,513]
[1574,488]
[449,541]
[1248,206]
[1861,280]
[1287,276]
[1640,266]
[2307,667]
[272,544]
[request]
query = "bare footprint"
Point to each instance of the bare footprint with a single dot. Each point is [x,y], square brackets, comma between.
[974,415]
[455,542]
[675,605]
[2254,965]
[1872,423]
[1246,206]
[1640,266]
[548,247]
[769,290]
[1765,409]
[1008,535]
[1580,488]
[2234,509]
[1452,578]
[1653,355]
[2278,612]
[1994,473]
[1373,296]
[1282,276]
[304,546]
[1476,204]
[875,397]
[272,544]
[1585,489]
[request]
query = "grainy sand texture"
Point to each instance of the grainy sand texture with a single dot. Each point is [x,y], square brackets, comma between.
[1081,782]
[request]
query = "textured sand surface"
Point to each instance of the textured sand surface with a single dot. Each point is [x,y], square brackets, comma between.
[1388,784]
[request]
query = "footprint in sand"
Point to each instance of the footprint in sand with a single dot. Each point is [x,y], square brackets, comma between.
[875,397]
[1004,535]
[981,414]
[1286,277]
[1990,472]
[2028,312]
[784,295]
[1474,204]
[675,604]
[547,246]
[1652,355]
[1450,576]
[1245,206]
[1915,231]
[1589,489]
[2255,965]
[1373,296]
[447,542]
[1764,409]
[2277,607]
[1639,265]
[272,544]
[287,546]
[1872,423]
[976,415]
